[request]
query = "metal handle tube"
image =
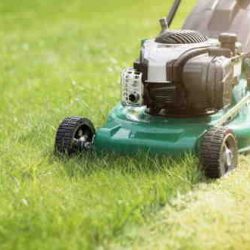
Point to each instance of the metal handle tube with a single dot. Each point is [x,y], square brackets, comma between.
[173,11]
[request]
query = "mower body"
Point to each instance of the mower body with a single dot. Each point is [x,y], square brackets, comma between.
[140,126]
[129,130]
[188,92]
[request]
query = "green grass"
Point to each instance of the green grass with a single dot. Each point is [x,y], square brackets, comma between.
[61,58]
[213,216]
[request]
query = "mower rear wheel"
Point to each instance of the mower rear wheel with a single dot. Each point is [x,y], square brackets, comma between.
[74,135]
[219,152]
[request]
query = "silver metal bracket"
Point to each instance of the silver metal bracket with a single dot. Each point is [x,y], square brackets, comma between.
[132,87]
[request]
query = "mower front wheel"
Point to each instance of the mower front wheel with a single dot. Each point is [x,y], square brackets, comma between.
[74,135]
[219,152]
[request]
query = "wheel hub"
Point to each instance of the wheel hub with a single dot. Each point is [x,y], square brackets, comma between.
[81,139]
[228,156]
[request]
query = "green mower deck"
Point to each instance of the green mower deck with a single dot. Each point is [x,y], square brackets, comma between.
[130,130]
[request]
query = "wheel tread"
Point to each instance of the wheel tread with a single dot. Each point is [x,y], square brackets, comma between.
[210,150]
[65,133]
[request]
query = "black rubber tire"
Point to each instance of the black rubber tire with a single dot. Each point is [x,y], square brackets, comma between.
[218,146]
[66,136]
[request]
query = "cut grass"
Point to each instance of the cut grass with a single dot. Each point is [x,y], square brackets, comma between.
[213,216]
[61,58]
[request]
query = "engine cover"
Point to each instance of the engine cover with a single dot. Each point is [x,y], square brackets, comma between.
[208,82]
[184,73]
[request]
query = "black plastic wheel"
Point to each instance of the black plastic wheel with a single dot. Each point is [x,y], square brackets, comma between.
[219,152]
[74,135]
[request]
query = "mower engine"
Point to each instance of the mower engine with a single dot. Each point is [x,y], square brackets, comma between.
[183,73]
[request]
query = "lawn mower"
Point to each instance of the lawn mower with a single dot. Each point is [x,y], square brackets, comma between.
[188,92]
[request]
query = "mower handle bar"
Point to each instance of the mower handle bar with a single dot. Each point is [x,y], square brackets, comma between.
[172,12]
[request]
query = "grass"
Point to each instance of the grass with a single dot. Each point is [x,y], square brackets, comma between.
[61,58]
[213,216]
[84,203]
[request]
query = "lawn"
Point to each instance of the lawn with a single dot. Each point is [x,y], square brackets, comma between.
[61,58]
[214,216]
